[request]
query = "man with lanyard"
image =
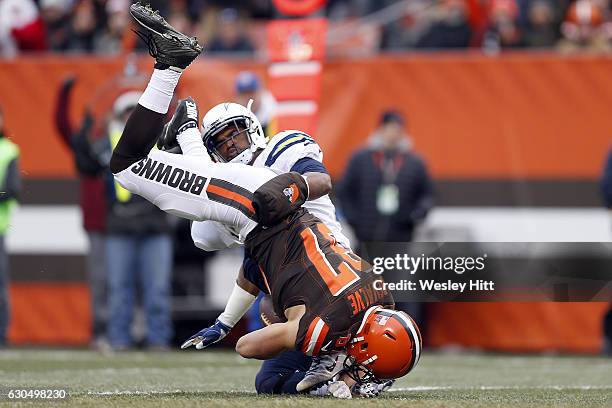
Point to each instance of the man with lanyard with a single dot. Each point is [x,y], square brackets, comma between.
[386,190]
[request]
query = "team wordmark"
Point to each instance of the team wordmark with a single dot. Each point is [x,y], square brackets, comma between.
[171,176]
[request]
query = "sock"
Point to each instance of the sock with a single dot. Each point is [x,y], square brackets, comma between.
[191,143]
[159,92]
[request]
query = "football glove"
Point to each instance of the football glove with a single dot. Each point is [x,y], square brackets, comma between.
[336,389]
[185,117]
[207,336]
[371,389]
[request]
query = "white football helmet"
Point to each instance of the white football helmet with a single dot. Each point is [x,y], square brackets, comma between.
[233,114]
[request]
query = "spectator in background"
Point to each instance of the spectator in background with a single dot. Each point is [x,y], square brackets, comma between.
[138,249]
[230,35]
[248,86]
[56,15]
[450,27]
[386,190]
[541,30]
[10,185]
[584,28]
[21,28]
[503,31]
[606,190]
[111,39]
[83,26]
[137,245]
[93,206]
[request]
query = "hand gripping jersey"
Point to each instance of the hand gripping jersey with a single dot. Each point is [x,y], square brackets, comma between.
[284,150]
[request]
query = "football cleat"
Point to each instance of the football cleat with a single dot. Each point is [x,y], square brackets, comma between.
[170,48]
[323,368]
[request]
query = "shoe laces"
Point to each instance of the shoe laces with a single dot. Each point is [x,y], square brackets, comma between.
[147,38]
[316,360]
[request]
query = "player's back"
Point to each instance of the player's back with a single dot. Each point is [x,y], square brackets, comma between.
[301,263]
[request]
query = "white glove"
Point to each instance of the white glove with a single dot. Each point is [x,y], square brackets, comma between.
[336,389]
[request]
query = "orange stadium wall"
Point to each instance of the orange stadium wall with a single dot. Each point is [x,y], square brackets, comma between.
[520,116]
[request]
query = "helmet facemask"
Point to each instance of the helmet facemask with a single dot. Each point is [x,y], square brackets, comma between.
[359,372]
[240,126]
[242,121]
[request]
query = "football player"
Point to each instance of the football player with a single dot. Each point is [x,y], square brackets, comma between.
[230,139]
[323,290]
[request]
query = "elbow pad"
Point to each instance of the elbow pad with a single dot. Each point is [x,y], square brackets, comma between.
[279,197]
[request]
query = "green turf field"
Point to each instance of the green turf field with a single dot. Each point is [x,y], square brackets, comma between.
[214,378]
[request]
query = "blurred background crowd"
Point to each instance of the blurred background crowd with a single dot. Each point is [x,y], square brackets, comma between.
[357,26]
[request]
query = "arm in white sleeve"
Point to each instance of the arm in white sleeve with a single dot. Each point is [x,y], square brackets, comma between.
[238,304]
[210,236]
[191,144]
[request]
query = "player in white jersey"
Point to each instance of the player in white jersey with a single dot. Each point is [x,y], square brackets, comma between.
[287,151]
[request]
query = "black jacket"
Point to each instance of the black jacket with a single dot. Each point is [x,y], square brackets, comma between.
[358,191]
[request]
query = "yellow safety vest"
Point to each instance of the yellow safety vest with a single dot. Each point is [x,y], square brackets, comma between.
[121,193]
[9,151]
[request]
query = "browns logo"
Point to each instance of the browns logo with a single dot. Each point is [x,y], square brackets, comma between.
[292,193]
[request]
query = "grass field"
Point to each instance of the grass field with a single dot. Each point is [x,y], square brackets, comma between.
[217,378]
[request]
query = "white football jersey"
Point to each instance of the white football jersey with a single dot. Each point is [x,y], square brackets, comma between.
[192,186]
[283,151]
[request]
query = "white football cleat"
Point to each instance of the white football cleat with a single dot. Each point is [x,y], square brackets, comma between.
[323,368]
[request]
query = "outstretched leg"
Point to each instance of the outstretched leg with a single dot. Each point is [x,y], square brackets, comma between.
[173,52]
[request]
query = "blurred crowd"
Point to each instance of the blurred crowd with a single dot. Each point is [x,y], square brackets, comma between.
[99,26]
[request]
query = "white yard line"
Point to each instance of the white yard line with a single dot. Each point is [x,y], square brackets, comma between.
[399,389]
[502,387]
[131,392]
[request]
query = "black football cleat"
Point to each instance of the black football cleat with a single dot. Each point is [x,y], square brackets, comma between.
[170,48]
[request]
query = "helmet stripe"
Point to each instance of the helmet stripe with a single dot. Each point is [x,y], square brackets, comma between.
[365,318]
[412,331]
